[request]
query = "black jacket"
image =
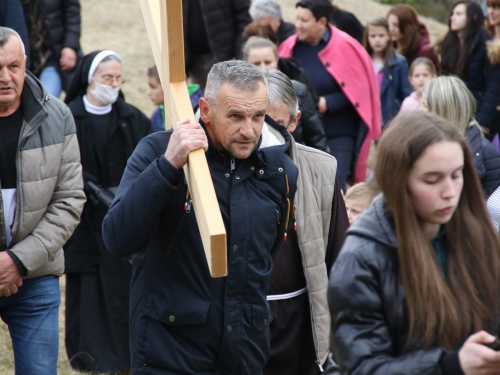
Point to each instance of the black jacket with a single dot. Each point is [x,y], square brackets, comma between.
[104,168]
[285,30]
[292,69]
[182,319]
[481,78]
[348,23]
[486,160]
[224,21]
[309,130]
[368,305]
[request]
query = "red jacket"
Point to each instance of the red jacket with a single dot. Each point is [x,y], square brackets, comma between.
[351,66]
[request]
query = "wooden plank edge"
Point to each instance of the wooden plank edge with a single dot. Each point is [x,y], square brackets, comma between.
[206,205]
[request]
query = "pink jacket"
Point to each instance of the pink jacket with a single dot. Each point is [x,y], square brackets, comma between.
[351,66]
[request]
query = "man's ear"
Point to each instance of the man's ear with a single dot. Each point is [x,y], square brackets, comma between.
[323,21]
[294,123]
[204,110]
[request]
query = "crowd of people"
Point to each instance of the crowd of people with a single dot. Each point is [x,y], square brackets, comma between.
[356,168]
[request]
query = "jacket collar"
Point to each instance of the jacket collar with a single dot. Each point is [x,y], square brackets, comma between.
[33,97]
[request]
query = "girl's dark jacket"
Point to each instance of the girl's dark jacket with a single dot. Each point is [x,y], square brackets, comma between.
[395,87]
[482,75]
[82,251]
[367,302]
[486,160]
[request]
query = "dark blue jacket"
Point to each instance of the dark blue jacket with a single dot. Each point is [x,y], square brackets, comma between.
[182,319]
[486,160]
[482,79]
[395,87]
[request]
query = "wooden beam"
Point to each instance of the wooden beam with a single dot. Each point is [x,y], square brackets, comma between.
[164,25]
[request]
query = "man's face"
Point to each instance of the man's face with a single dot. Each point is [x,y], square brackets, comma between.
[12,73]
[235,122]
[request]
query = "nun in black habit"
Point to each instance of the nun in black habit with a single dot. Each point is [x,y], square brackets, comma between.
[97,282]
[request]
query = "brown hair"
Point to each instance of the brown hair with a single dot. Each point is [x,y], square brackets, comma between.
[423,61]
[409,27]
[381,22]
[260,28]
[153,72]
[491,4]
[442,312]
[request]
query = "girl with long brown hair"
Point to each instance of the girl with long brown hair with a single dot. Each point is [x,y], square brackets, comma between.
[409,35]
[417,282]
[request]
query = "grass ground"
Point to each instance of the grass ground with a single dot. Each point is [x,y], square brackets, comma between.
[118,25]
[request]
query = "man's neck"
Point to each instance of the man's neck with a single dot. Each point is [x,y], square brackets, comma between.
[7,110]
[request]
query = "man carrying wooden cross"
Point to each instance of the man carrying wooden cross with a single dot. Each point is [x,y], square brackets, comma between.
[182,319]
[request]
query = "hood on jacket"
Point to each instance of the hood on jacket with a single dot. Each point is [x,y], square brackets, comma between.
[376,224]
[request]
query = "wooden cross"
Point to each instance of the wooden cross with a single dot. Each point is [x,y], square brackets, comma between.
[163,20]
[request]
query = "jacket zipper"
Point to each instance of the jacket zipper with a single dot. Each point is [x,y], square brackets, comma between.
[233,165]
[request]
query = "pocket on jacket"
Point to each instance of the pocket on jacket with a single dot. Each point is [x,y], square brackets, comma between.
[177,313]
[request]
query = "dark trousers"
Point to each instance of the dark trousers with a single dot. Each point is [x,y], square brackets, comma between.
[343,149]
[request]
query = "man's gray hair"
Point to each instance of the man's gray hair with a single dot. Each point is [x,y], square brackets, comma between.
[280,91]
[240,74]
[6,33]
[265,8]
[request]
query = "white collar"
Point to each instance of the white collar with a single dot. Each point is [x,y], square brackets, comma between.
[95,110]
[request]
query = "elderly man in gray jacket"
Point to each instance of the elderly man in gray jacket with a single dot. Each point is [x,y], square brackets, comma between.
[300,330]
[42,199]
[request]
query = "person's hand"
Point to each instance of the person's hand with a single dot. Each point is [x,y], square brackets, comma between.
[10,279]
[322,107]
[477,359]
[485,130]
[68,58]
[186,137]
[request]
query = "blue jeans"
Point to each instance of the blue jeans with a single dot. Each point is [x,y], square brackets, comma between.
[32,315]
[51,80]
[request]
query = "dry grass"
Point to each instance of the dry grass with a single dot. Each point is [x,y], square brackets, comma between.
[118,25]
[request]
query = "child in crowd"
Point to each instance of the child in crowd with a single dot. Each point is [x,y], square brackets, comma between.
[390,67]
[422,70]
[155,93]
[358,198]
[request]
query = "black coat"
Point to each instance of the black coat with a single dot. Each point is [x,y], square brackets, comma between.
[62,22]
[348,23]
[285,31]
[309,130]
[291,67]
[367,300]
[486,160]
[182,319]
[81,251]
[224,23]
[482,78]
